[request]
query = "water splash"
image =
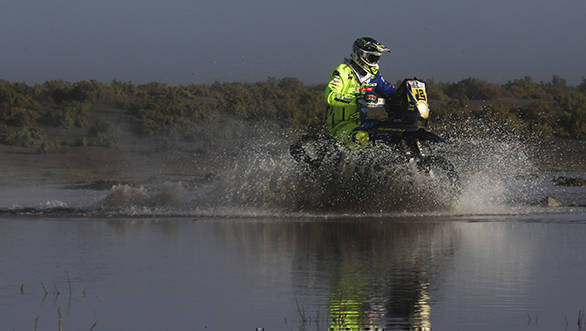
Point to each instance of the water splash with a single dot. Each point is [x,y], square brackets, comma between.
[493,166]
[124,196]
[256,176]
[496,169]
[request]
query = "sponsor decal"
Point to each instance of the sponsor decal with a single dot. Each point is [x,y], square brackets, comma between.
[335,82]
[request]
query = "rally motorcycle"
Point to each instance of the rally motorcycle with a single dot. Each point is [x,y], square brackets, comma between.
[401,141]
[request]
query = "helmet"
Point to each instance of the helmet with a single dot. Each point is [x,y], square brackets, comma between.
[366,52]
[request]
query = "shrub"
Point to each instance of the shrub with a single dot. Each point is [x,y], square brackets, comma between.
[18,116]
[68,114]
[475,89]
[25,137]
[105,134]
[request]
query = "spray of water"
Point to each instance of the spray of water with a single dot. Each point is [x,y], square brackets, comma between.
[493,165]
[254,174]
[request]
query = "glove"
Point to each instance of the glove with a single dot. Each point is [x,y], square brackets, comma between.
[370,98]
[368,95]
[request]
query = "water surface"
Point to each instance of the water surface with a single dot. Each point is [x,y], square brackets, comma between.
[445,272]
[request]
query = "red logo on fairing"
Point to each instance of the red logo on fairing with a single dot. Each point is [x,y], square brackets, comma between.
[367,89]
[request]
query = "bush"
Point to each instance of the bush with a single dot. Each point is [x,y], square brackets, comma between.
[475,89]
[81,142]
[18,116]
[525,88]
[105,134]
[156,109]
[68,115]
[582,86]
[25,137]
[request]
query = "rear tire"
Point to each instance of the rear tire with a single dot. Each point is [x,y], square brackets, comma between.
[308,150]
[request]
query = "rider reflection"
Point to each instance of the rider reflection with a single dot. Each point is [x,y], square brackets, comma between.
[383,275]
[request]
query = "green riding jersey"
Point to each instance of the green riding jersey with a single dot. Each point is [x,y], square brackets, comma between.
[345,118]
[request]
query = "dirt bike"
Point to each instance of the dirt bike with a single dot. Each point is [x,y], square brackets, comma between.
[401,141]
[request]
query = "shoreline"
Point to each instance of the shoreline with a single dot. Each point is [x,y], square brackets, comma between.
[141,162]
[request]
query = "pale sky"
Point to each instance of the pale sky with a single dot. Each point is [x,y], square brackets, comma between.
[185,41]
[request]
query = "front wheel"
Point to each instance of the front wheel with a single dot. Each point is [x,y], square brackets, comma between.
[440,169]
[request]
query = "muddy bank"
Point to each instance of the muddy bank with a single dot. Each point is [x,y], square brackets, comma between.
[560,154]
[98,165]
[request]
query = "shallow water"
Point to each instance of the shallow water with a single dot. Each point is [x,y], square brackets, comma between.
[481,195]
[256,248]
[446,272]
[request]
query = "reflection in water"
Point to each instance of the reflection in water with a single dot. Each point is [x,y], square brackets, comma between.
[227,274]
[383,274]
[163,226]
[369,274]
[348,306]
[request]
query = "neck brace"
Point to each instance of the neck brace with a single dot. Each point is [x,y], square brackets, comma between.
[363,75]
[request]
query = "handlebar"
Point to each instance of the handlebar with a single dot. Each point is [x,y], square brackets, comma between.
[380,102]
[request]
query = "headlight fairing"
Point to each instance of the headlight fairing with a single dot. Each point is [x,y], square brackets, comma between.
[423,109]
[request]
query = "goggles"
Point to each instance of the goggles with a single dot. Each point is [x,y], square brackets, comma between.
[371,58]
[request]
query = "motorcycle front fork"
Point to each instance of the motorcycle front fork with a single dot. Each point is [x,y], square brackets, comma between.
[414,153]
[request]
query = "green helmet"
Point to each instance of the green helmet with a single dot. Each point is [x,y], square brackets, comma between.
[366,53]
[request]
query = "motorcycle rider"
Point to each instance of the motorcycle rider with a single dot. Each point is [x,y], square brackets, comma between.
[353,85]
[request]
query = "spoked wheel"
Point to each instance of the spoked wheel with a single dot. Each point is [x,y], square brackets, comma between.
[441,169]
[312,150]
[379,164]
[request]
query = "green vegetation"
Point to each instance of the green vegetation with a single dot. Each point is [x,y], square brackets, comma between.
[25,110]
[105,134]
[548,109]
